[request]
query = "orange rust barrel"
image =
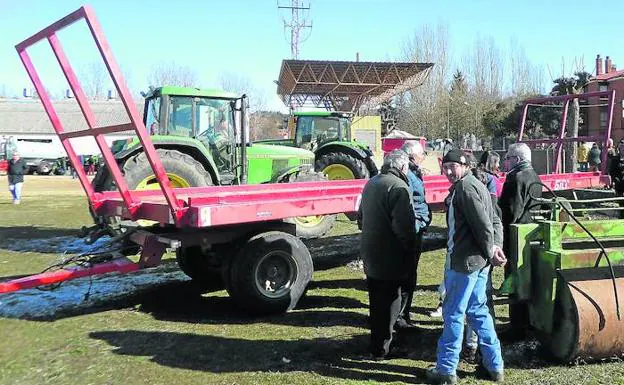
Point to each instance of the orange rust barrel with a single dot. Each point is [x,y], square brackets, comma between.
[585,320]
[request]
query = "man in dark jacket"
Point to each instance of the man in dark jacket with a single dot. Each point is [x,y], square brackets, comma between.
[16,170]
[474,245]
[514,200]
[422,214]
[386,219]
[616,171]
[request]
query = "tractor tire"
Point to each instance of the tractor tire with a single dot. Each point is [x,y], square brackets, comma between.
[44,168]
[338,165]
[314,226]
[199,267]
[137,169]
[270,273]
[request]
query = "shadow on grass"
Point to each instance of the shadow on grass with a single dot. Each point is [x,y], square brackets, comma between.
[180,303]
[330,252]
[339,357]
[34,232]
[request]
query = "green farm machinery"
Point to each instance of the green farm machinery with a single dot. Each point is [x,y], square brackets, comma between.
[570,280]
[328,135]
[196,135]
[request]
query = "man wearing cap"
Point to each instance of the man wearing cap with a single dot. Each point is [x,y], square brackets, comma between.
[474,246]
[386,219]
[616,171]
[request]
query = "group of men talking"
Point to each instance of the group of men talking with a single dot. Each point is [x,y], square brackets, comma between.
[393,215]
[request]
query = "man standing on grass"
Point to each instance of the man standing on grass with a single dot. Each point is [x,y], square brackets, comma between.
[17,169]
[474,246]
[386,219]
[520,184]
[422,214]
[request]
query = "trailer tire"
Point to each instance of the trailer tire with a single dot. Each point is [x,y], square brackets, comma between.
[270,273]
[338,165]
[44,168]
[199,268]
[314,226]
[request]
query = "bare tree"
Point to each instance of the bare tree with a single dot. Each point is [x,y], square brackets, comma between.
[241,84]
[423,110]
[172,74]
[94,79]
[526,77]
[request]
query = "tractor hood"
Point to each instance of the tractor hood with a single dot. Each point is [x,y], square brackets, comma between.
[273,151]
[357,146]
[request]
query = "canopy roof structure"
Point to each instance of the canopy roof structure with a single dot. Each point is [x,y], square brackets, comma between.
[346,85]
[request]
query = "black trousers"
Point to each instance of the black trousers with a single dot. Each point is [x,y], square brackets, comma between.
[409,284]
[385,303]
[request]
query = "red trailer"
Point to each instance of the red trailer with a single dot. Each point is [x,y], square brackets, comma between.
[233,234]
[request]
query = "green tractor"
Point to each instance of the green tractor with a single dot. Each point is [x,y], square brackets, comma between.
[197,135]
[328,135]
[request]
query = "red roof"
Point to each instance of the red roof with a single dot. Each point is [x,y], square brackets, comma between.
[609,76]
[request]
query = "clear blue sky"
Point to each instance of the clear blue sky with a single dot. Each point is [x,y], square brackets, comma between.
[247,36]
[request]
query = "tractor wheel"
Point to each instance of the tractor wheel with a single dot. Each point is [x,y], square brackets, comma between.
[313,226]
[200,267]
[341,166]
[182,170]
[270,273]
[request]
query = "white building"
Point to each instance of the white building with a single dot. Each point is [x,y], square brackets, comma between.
[26,120]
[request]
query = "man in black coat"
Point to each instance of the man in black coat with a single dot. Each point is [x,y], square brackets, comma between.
[387,221]
[514,200]
[16,170]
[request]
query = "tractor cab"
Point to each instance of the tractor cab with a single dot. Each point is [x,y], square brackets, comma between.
[213,117]
[312,130]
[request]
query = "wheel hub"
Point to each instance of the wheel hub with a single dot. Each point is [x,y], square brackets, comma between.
[275,273]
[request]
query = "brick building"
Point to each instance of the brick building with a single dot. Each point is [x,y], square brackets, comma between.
[607,78]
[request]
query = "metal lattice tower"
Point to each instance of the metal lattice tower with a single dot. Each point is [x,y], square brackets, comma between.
[296,25]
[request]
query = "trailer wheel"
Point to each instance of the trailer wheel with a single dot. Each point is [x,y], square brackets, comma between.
[270,273]
[44,168]
[341,166]
[199,267]
[312,226]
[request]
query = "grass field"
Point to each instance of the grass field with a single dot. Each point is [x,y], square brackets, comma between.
[170,334]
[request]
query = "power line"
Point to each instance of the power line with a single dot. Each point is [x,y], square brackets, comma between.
[296,25]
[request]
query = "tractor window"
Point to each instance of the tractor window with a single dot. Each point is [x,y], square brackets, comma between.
[152,116]
[215,128]
[180,116]
[314,131]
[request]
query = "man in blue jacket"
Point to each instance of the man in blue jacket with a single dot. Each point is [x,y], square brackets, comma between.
[422,214]
[474,246]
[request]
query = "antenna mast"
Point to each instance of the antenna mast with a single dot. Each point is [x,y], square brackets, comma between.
[296,25]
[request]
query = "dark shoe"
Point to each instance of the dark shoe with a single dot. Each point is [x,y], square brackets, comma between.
[469,355]
[485,374]
[402,323]
[438,378]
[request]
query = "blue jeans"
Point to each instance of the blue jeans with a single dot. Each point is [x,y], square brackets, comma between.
[466,298]
[16,190]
